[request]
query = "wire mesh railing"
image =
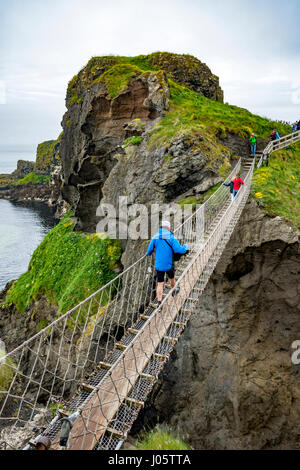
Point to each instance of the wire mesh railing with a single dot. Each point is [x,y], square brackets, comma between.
[92,368]
[278,144]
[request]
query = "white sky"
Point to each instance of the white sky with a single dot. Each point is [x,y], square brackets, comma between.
[252,45]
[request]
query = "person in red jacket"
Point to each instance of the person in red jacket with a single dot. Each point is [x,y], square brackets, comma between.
[237,184]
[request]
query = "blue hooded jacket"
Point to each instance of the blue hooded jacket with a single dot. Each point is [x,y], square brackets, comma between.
[163,252]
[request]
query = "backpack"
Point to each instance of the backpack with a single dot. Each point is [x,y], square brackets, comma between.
[176,256]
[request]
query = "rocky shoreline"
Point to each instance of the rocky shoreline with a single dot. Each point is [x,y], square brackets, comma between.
[38,181]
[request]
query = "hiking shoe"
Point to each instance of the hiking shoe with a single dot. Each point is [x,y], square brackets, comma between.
[155,303]
[176,291]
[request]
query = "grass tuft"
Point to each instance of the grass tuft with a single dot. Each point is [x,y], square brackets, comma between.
[161,439]
[33,178]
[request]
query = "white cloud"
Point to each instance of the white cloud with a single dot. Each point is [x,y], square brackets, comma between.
[46,43]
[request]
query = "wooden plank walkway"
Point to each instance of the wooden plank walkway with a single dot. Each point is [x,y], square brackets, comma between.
[107,398]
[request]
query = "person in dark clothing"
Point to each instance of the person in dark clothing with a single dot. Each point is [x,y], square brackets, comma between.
[230,185]
[298,126]
[275,136]
[265,160]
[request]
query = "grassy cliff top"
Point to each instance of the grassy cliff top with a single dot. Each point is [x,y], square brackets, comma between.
[183,68]
[45,155]
[277,187]
[194,115]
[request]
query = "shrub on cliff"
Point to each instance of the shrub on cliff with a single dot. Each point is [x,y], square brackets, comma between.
[66,267]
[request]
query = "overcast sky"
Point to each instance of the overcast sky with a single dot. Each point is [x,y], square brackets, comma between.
[252,45]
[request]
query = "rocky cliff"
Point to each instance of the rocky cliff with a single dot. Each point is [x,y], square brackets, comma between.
[35,181]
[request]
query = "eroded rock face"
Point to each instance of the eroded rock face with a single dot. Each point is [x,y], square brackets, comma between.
[23,168]
[231,383]
[96,130]
[191,72]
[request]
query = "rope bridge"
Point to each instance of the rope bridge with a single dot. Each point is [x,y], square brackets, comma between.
[82,380]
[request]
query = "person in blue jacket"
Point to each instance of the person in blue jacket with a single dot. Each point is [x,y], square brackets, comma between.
[161,243]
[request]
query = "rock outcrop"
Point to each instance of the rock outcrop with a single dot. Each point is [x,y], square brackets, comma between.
[36,181]
[94,131]
[23,168]
[190,72]
[104,111]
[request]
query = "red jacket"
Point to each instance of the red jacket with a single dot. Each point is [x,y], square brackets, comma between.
[237,184]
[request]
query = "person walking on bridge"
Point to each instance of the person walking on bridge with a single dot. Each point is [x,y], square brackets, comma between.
[230,185]
[253,140]
[237,185]
[165,245]
[274,136]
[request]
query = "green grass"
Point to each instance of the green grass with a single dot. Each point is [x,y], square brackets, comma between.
[161,439]
[75,99]
[195,116]
[117,78]
[200,199]
[135,140]
[33,178]
[277,187]
[97,66]
[54,269]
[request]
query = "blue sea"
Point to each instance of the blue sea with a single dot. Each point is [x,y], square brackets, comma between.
[22,225]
